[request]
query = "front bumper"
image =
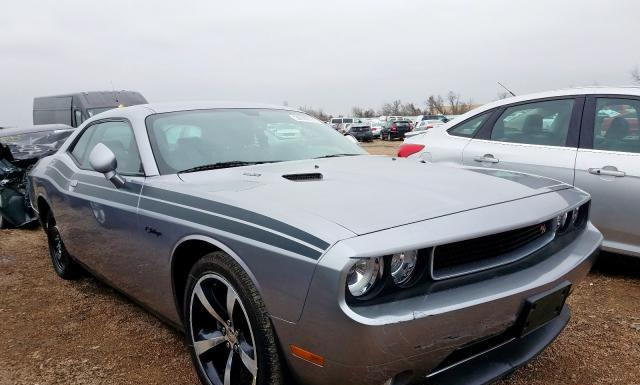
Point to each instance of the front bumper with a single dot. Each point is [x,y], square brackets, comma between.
[363,137]
[397,134]
[406,340]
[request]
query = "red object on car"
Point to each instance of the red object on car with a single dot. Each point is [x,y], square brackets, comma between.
[394,127]
[407,149]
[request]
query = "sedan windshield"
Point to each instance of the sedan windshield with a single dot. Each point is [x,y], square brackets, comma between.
[187,139]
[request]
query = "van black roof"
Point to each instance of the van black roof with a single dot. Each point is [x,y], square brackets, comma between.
[93,99]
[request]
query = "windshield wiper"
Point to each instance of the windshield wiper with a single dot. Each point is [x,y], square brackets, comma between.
[215,166]
[335,156]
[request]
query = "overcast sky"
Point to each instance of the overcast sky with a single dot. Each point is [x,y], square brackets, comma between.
[324,54]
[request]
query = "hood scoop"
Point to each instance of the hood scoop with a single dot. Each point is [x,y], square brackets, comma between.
[307,177]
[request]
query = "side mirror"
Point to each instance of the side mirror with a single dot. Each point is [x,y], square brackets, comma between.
[104,161]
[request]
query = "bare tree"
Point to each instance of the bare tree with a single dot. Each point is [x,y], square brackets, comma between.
[369,113]
[635,75]
[386,109]
[435,105]
[408,109]
[456,105]
[318,114]
[396,106]
[357,112]
[503,95]
[392,108]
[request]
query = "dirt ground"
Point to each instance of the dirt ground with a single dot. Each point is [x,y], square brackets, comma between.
[57,332]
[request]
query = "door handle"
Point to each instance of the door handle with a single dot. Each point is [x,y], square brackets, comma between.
[486,158]
[607,171]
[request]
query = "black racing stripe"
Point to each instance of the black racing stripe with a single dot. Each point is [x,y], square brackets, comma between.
[97,180]
[63,168]
[229,226]
[234,212]
[108,195]
[56,176]
[131,187]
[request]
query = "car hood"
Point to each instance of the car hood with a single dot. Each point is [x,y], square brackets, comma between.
[364,193]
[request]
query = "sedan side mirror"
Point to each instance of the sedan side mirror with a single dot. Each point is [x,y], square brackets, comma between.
[104,161]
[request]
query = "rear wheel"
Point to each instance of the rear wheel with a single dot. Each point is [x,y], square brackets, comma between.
[62,262]
[227,326]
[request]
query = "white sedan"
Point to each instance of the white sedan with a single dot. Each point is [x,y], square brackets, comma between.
[586,137]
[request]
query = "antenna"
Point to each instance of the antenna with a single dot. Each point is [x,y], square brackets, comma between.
[508,90]
[113,92]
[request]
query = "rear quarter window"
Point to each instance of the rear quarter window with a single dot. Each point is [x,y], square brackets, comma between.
[469,127]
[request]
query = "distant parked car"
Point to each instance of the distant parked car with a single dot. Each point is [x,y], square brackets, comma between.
[422,127]
[442,118]
[585,137]
[390,118]
[361,131]
[284,130]
[340,124]
[376,128]
[395,130]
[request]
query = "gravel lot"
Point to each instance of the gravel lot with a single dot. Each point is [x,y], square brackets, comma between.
[57,332]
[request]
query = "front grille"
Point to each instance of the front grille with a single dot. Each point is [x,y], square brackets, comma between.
[482,253]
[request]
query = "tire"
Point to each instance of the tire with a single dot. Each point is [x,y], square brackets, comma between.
[4,224]
[63,264]
[244,342]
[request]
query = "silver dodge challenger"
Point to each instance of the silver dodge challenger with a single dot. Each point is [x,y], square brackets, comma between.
[292,255]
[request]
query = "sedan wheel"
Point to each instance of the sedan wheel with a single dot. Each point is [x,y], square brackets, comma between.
[232,339]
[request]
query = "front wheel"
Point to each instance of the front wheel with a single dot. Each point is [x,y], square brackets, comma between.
[227,326]
[62,262]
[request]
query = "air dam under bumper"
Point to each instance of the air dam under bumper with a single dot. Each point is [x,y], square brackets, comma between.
[406,340]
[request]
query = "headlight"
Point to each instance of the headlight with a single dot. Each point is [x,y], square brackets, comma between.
[363,276]
[572,219]
[562,222]
[403,267]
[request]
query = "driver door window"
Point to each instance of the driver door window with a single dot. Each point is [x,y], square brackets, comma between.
[118,136]
[530,138]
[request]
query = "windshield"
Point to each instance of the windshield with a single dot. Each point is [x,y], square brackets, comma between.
[187,139]
[41,137]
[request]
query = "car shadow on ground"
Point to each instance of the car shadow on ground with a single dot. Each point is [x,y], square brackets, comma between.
[618,265]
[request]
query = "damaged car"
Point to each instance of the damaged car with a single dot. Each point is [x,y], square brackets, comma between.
[234,234]
[20,149]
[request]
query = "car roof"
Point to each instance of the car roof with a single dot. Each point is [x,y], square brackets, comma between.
[635,91]
[574,91]
[30,129]
[158,108]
